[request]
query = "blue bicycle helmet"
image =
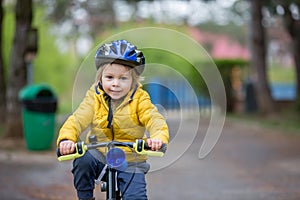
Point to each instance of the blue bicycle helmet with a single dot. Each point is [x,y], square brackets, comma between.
[120,52]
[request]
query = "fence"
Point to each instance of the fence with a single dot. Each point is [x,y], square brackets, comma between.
[283,91]
[176,95]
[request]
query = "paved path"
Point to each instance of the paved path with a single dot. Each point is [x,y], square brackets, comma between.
[248,162]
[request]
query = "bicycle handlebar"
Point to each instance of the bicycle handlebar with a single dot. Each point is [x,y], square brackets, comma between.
[139,146]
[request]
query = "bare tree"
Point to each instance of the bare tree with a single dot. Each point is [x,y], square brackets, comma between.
[292,24]
[17,68]
[2,74]
[289,10]
[258,60]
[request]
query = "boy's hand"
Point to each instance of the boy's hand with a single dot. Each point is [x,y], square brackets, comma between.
[155,144]
[66,147]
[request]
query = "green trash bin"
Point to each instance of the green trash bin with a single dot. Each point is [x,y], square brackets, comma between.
[38,113]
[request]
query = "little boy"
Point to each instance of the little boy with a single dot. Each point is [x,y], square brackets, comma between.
[116,108]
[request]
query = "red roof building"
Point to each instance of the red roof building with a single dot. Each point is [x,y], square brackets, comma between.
[220,46]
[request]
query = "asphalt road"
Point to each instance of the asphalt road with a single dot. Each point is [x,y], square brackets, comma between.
[248,162]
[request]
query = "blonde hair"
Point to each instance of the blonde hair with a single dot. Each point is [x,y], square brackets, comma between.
[136,79]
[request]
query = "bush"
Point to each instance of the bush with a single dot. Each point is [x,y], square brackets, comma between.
[226,67]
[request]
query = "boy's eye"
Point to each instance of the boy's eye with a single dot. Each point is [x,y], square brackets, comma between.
[108,77]
[123,78]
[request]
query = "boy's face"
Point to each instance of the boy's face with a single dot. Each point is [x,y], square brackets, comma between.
[116,81]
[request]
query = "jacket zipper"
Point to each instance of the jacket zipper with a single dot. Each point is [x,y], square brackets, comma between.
[112,133]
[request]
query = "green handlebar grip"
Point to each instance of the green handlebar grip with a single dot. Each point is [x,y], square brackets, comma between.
[139,147]
[79,151]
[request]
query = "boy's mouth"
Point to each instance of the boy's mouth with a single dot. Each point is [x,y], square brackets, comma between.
[115,91]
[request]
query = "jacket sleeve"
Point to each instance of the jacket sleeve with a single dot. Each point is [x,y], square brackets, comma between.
[79,120]
[154,122]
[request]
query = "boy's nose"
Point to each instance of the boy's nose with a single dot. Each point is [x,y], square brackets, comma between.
[115,82]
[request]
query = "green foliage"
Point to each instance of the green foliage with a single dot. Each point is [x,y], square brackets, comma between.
[178,64]
[222,63]
[225,67]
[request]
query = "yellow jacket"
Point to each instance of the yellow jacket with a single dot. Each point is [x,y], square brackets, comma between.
[131,119]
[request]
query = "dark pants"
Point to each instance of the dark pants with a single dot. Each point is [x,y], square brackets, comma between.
[86,170]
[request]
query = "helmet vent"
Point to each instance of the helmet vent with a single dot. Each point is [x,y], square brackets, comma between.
[113,48]
[123,48]
[131,53]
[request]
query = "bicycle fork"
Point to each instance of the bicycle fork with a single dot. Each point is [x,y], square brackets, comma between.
[111,186]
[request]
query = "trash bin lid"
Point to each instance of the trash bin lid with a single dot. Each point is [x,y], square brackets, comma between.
[35,91]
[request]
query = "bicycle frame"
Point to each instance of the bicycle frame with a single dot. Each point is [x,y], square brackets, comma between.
[140,147]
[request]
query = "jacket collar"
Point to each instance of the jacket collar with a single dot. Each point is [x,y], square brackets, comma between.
[105,98]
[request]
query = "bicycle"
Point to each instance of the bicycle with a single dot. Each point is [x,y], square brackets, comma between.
[116,161]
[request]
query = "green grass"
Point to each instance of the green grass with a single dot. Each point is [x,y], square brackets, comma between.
[286,122]
[281,74]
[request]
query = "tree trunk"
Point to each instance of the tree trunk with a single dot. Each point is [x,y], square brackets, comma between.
[296,53]
[2,74]
[258,60]
[17,68]
[293,27]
